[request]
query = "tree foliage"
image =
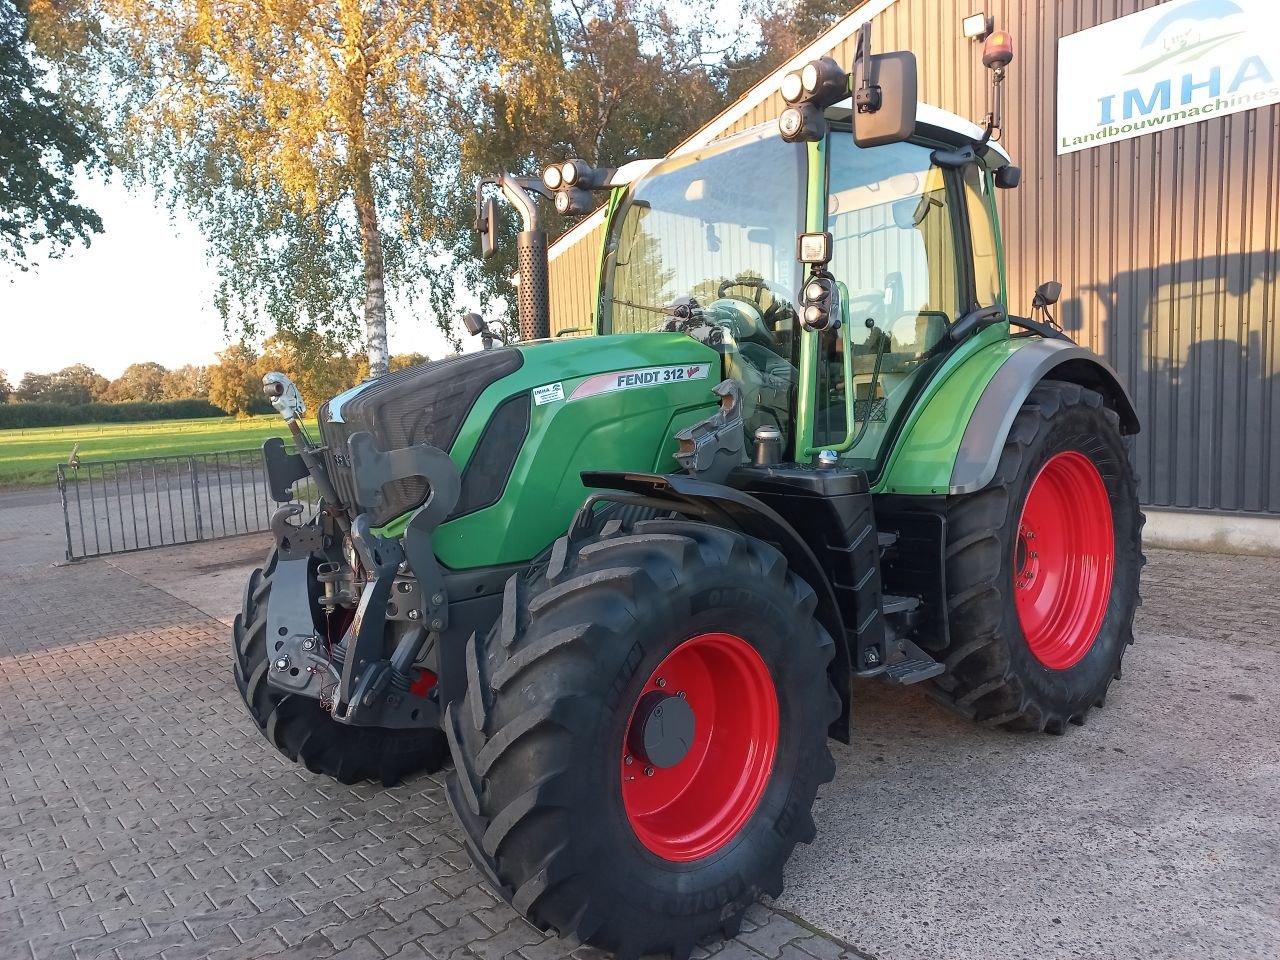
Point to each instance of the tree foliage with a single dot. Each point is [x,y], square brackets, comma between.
[234,382]
[305,137]
[5,388]
[186,382]
[72,386]
[785,29]
[139,381]
[43,138]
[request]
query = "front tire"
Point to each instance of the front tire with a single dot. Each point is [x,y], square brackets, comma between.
[1043,568]
[643,734]
[304,732]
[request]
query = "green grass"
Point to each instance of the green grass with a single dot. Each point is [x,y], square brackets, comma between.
[29,457]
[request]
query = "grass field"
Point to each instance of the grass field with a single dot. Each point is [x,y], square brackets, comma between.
[29,457]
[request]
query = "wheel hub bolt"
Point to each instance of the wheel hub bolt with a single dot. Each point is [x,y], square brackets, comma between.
[414,614]
[648,771]
[282,663]
[628,760]
[661,681]
[308,644]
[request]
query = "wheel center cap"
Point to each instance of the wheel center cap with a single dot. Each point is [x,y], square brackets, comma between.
[662,731]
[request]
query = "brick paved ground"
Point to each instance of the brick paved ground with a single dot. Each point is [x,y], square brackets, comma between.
[142,816]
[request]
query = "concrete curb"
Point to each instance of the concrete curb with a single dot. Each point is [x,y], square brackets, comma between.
[1238,534]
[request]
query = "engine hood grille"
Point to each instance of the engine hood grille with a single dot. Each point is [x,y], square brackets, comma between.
[422,404]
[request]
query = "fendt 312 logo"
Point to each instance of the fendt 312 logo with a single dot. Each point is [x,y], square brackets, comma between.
[1174,64]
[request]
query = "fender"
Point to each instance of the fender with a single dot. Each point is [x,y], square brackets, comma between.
[734,510]
[952,441]
[992,418]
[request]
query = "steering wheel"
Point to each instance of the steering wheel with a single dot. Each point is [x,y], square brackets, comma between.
[763,321]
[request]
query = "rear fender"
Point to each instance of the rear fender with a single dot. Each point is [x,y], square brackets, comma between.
[992,418]
[952,444]
[734,510]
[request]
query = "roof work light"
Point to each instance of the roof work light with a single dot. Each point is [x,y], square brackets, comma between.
[571,181]
[810,90]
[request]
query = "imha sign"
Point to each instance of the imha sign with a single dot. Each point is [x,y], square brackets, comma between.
[1171,65]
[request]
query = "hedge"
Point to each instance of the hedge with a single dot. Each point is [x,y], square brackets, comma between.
[63,415]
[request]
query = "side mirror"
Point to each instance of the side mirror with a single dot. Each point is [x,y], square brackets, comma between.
[1008,177]
[891,80]
[487,227]
[1047,293]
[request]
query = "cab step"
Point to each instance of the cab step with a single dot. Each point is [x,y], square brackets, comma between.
[905,672]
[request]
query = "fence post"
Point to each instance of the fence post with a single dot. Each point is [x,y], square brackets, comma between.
[195,497]
[66,515]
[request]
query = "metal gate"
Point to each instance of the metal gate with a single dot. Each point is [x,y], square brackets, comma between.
[118,506]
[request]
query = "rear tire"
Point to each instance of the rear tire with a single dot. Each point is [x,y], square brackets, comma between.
[307,734]
[568,832]
[1039,626]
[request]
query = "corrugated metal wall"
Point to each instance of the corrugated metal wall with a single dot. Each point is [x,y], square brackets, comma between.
[1167,246]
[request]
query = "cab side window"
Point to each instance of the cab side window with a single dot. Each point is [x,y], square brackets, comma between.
[982,227]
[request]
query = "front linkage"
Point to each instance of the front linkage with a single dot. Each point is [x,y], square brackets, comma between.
[355,682]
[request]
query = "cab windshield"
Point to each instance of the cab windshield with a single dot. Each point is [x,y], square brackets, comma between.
[719,223]
[706,244]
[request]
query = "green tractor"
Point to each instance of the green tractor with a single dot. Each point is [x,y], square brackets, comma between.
[624,582]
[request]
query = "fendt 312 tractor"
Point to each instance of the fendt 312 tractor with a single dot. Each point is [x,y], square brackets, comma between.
[624,581]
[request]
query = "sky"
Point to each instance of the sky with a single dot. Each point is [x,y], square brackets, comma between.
[142,290]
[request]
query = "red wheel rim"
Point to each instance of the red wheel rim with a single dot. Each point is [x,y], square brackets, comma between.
[1063,560]
[693,808]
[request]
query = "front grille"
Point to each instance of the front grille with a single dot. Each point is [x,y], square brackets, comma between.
[423,404]
[336,459]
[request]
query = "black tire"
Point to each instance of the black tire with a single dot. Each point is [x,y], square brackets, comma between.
[993,675]
[537,738]
[305,733]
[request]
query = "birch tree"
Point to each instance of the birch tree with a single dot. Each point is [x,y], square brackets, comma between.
[307,138]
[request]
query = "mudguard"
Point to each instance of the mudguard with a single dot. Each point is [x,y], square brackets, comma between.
[952,441]
[992,418]
[726,507]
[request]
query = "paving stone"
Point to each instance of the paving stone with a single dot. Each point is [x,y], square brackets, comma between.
[142,815]
[769,937]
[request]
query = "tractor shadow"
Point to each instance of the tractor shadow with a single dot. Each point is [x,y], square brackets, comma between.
[1195,342]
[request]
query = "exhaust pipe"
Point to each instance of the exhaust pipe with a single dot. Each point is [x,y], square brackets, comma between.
[533,298]
[534,295]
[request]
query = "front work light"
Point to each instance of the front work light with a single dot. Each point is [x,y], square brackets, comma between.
[824,82]
[552,178]
[792,87]
[802,123]
[820,302]
[573,202]
[814,248]
[820,84]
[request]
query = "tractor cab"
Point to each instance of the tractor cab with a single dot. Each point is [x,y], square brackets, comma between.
[706,243]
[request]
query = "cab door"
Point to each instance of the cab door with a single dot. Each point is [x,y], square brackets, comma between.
[902,232]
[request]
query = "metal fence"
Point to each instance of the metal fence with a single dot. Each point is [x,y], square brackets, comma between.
[118,506]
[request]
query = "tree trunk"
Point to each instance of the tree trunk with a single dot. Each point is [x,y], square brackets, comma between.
[375,298]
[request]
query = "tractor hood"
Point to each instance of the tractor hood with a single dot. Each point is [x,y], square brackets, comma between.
[522,423]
